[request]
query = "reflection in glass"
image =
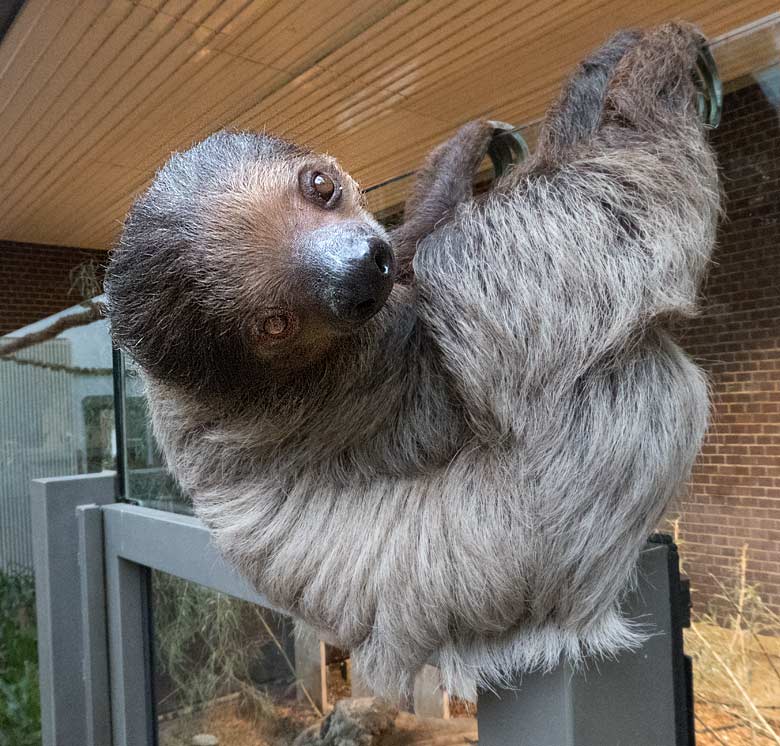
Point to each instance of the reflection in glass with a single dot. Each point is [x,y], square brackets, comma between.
[224,667]
[56,418]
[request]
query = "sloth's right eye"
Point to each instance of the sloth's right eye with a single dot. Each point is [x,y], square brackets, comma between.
[320,188]
[323,185]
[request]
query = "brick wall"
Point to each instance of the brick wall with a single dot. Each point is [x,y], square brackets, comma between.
[36,281]
[735,492]
[735,496]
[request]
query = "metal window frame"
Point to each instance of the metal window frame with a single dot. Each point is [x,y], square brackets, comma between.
[93,558]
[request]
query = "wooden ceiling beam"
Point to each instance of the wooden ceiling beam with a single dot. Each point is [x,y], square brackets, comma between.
[95,94]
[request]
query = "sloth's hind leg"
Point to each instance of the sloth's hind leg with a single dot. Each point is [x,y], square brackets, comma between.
[576,115]
[652,88]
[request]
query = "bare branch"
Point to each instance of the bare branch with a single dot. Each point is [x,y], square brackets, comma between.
[85,280]
[57,367]
[93,312]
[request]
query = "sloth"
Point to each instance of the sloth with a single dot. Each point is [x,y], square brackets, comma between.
[449,442]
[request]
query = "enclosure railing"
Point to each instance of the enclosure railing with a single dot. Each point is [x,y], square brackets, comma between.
[93,558]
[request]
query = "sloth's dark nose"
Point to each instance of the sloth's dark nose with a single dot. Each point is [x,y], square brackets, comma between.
[363,280]
[366,282]
[349,270]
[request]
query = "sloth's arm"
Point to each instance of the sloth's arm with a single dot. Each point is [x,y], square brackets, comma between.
[603,235]
[443,183]
[445,180]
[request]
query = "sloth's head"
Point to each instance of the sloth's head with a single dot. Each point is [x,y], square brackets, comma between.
[246,253]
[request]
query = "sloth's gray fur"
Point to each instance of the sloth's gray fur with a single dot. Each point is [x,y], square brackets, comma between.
[473,474]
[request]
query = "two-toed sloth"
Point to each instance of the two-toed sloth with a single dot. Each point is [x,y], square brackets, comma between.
[450,442]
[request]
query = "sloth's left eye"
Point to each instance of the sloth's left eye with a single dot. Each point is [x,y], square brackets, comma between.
[321,188]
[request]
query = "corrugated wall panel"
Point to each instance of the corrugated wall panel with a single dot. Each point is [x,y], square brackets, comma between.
[36,440]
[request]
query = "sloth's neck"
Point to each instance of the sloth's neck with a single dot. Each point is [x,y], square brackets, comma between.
[368,411]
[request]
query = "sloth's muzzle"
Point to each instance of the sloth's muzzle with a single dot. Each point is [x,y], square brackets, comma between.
[350,270]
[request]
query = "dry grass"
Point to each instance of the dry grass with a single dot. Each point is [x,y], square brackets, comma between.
[736,663]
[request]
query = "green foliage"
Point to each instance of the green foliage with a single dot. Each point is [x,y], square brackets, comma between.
[205,640]
[20,710]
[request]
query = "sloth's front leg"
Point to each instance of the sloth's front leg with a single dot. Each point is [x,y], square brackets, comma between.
[444,182]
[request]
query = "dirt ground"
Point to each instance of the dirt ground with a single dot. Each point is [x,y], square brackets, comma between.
[234,728]
[714,727]
[234,725]
[722,717]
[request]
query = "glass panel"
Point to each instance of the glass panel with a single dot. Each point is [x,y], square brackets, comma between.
[148,482]
[224,667]
[56,417]
[231,670]
[732,502]
[729,515]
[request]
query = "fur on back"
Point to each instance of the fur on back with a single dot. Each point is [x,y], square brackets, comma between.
[472,475]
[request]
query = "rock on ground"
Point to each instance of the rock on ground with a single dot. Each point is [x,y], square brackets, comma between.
[373,722]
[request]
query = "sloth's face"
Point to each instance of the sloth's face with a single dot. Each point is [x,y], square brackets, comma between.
[293,250]
[246,255]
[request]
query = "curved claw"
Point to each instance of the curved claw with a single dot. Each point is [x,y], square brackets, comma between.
[506,148]
[709,96]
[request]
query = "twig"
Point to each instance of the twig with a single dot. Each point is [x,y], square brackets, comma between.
[747,721]
[755,636]
[707,729]
[737,684]
[93,312]
[741,597]
[193,709]
[289,665]
[721,703]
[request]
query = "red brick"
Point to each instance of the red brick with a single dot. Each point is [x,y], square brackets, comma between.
[734,492]
[36,281]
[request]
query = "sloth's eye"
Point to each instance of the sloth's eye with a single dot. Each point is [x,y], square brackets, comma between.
[275,325]
[321,188]
[323,185]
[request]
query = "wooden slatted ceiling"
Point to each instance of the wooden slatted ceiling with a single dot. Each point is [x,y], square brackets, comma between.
[95,94]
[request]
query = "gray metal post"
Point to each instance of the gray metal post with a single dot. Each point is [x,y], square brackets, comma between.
[57,591]
[622,702]
[136,540]
[130,652]
[97,699]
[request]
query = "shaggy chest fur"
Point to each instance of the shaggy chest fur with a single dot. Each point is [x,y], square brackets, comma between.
[424,541]
[470,474]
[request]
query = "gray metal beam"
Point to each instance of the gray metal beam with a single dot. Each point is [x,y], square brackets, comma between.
[57,590]
[625,701]
[138,539]
[174,543]
[97,700]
